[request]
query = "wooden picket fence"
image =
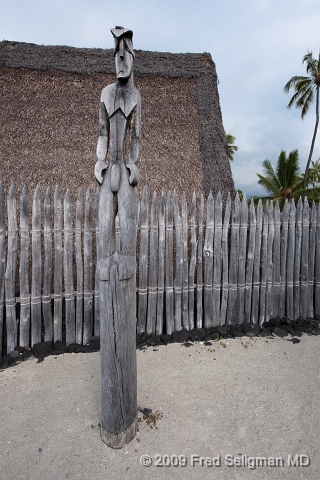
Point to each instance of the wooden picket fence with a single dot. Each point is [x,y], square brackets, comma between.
[203,265]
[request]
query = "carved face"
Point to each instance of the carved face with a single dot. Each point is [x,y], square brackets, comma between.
[124,61]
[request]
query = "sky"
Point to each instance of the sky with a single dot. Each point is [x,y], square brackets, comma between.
[257,46]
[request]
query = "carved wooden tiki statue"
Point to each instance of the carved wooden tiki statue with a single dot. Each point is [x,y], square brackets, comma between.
[120,118]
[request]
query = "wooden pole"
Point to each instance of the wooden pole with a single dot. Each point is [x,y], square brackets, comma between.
[2,263]
[24,331]
[57,277]
[36,269]
[47,270]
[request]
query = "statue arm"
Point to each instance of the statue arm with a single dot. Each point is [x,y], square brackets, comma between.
[135,145]
[103,144]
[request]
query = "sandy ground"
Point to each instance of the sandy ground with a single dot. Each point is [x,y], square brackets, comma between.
[238,397]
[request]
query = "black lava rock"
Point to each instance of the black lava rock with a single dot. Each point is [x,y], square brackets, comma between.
[181,336]
[139,339]
[42,349]
[280,332]
[60,346]
[197,334]
[223,329]
[285,321]
[166,338]
[19,349]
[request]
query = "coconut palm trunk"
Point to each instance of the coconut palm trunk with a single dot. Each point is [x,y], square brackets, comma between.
[305,181]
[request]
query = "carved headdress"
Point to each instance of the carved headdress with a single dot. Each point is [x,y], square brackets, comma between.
[122,37]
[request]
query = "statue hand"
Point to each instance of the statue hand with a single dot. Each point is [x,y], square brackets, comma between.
[100,170]
[134,173]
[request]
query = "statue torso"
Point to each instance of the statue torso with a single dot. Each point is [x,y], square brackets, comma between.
[120,102]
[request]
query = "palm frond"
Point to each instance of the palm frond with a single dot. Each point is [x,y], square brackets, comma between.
[306,104]
[269,186]
[292,169]
[312,66]
[269,173]
[292,82]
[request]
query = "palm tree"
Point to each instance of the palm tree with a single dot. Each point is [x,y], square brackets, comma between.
[306,88]
[231,147]
[282,182]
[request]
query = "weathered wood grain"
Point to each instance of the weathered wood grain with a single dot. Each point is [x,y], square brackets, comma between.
[79,270]
[36,269]
[87,270]
[269,273]
[143,263]
[169,266]
[68,270]
[199,266]
[185,268]
[193,262]
[311,267]
[208,264]
[47,269]
[179,264]
[283,258]
[250,262]
[304,279]
[96,278]
[297,261]
[290,259]
[243,233]
[10,274]
[57,274]
[317,269]
[256,266]
[153,270]
[264,265]
[2,263]
[233,264]
[161,262]
[24,330]
[217,260]
[276,259]
[225,261]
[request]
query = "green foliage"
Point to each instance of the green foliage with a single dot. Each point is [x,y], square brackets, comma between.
[231,147]
[306,90]
[283,182]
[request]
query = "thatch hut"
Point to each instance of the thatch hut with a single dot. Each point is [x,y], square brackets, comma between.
[49,118]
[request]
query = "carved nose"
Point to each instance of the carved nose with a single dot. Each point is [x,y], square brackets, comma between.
[121,49]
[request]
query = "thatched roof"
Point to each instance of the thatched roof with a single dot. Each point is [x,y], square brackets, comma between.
[49,117]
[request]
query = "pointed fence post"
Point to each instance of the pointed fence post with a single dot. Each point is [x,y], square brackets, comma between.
[57,276]
[36,269]
[179,265]
[24,331]
[297,261]
[256,266]
[68,270]
[87,270]
[79,267]
[153,276]
[47,270]
[199,266]
[250,262]
[283,258]
[169,266]
[208,264]
[2,263]
[290,259]
[193,261]
[161,253]
[312,251]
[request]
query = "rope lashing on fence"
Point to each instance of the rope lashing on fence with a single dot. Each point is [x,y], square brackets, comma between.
[277,262]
